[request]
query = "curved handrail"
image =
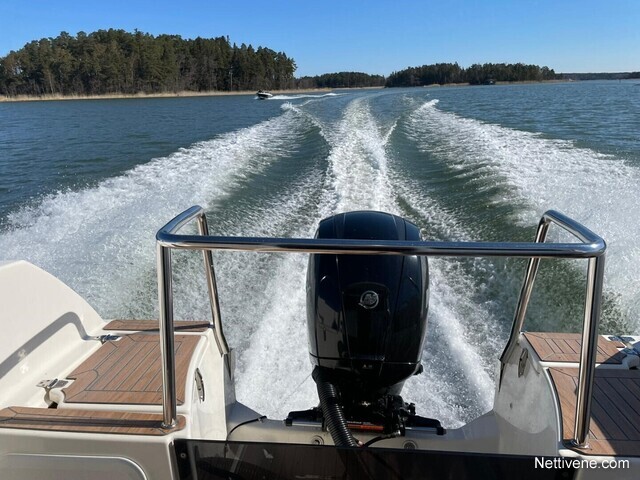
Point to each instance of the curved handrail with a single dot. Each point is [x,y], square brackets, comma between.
[165,300]
[579,231]
[593,248]
[591,320]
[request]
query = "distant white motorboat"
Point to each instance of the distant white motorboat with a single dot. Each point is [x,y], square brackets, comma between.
[262,95]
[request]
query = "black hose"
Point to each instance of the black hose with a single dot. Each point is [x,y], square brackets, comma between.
[381,437]
[332,411]
[259,419]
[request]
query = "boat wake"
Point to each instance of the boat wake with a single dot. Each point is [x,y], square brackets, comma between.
[359,176]
[540,174]
[100,240]
[280,177]
[305,95]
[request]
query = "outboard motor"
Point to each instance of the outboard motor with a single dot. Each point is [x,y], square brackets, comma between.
[366,316]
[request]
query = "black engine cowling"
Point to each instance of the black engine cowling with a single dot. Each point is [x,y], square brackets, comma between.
[366,314]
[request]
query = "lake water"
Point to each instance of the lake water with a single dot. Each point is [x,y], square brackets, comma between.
[84,186]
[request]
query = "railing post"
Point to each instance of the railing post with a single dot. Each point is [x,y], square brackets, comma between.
[165,298]
[212,287]
[525,296]
[589,349]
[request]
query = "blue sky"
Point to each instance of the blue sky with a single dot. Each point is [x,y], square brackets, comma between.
[372,36]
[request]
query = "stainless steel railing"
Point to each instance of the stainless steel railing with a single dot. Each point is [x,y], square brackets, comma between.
[592,308]
[592,247]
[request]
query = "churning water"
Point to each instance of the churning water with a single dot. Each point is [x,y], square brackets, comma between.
[85,185]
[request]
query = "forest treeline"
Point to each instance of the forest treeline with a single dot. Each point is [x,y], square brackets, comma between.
[341,80]
[116,61]
[600,76]
[119,62]
[444,73]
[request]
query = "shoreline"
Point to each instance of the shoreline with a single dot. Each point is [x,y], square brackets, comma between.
[218,93]
[114,96]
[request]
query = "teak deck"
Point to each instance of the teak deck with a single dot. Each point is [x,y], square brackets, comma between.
[615,410]
[565,347]
[128,371]
[615,406]
[88,421]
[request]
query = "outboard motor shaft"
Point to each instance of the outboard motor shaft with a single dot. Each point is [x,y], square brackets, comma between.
[366,316]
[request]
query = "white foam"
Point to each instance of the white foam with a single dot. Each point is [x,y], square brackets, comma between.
[457,351]
[464,339]
[278,347]
[357,177]
[264,303]
[598,190]
[276,363]
[357,164]
[360,177]
[100,240]
[300,96]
